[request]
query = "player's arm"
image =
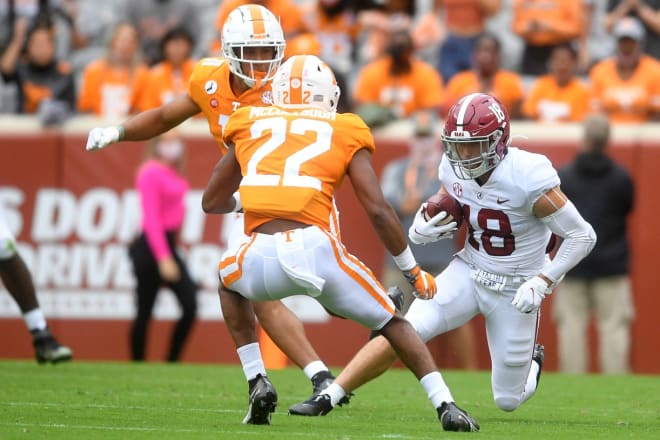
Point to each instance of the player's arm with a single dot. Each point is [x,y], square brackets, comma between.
[220,195]
[145,125]
[385,221]
[562,217]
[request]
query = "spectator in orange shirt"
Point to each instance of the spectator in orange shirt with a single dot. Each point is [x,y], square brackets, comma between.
[543,24]
[486,76]
[625,86]
[108,83]
[169,78]
[398,81]
[464,21]
[560,95]
[290,15]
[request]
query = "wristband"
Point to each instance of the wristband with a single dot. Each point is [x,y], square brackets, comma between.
[122,132]
[405,260]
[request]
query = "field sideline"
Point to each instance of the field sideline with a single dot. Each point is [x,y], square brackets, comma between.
[84,400]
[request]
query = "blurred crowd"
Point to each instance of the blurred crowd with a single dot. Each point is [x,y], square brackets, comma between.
[546,60]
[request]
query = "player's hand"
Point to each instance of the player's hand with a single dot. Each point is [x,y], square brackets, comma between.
[424,232]
[102,137]
[169,270]
[530,295]
[423,282]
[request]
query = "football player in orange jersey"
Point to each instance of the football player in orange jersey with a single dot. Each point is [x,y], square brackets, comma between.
[253,47]
[286,161]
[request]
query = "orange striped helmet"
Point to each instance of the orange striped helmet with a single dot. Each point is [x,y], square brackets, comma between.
[252,26]
[305,81]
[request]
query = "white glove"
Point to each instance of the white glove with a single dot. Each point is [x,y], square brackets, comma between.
[530,294]
[102,137]
[424,232]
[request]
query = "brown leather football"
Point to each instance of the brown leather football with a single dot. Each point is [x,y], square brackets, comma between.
[444,202]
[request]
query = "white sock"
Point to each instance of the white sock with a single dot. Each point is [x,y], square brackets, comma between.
[531,384]
[335,392]
[436,389]
[35,319]
[253,364]
[314,367]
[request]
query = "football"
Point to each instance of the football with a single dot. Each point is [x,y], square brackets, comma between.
[444,202]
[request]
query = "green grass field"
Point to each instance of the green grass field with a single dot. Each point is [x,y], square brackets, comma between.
[83,400]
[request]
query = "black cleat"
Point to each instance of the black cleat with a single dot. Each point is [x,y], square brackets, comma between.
[47,349]
[321,381]
[455,419]
[538,355]
[262,403]
[314,406]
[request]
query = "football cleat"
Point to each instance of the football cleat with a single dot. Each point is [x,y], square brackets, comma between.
[321,381]
[538,355]
[455,419]
[262,403]
[47,349]
[314,406]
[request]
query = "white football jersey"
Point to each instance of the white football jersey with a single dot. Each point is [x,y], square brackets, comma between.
[504,236]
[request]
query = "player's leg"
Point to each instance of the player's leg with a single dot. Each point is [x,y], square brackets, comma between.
[511,342]
[18,281]
[614,311]
[571,312]
[351,290]
[451,307]
[185,291]
[288,332]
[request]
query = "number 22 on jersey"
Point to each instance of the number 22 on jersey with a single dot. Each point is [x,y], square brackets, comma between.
[278,162]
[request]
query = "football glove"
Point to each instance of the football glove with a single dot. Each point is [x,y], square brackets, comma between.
[424,232]
[422,282]
[530,295]
[102,137]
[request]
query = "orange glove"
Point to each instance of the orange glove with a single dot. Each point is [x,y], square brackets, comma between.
[423,282]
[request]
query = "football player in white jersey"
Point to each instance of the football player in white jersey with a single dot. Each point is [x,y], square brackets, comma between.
[512,204]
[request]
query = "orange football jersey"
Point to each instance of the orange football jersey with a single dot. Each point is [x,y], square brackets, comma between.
[210,88]
[292,161]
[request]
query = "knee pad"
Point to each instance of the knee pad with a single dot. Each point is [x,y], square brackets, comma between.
[507,404]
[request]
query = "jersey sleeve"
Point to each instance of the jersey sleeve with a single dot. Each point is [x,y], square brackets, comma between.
[541,176]
[355,134]
[235,125]
[199,76]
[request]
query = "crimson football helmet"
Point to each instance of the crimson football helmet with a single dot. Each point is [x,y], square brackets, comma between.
[476,119]
[252,26]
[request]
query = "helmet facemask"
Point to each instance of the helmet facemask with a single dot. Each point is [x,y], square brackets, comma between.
[249,32]
[490,147]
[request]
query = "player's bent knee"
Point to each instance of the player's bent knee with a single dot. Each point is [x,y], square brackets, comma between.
[507,404]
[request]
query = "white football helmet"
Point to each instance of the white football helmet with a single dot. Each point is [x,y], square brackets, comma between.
[252,26]
[305,81]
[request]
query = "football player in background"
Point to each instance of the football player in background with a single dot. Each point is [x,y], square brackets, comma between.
[18,281]
[512,204]
[287,161]
[253,48]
